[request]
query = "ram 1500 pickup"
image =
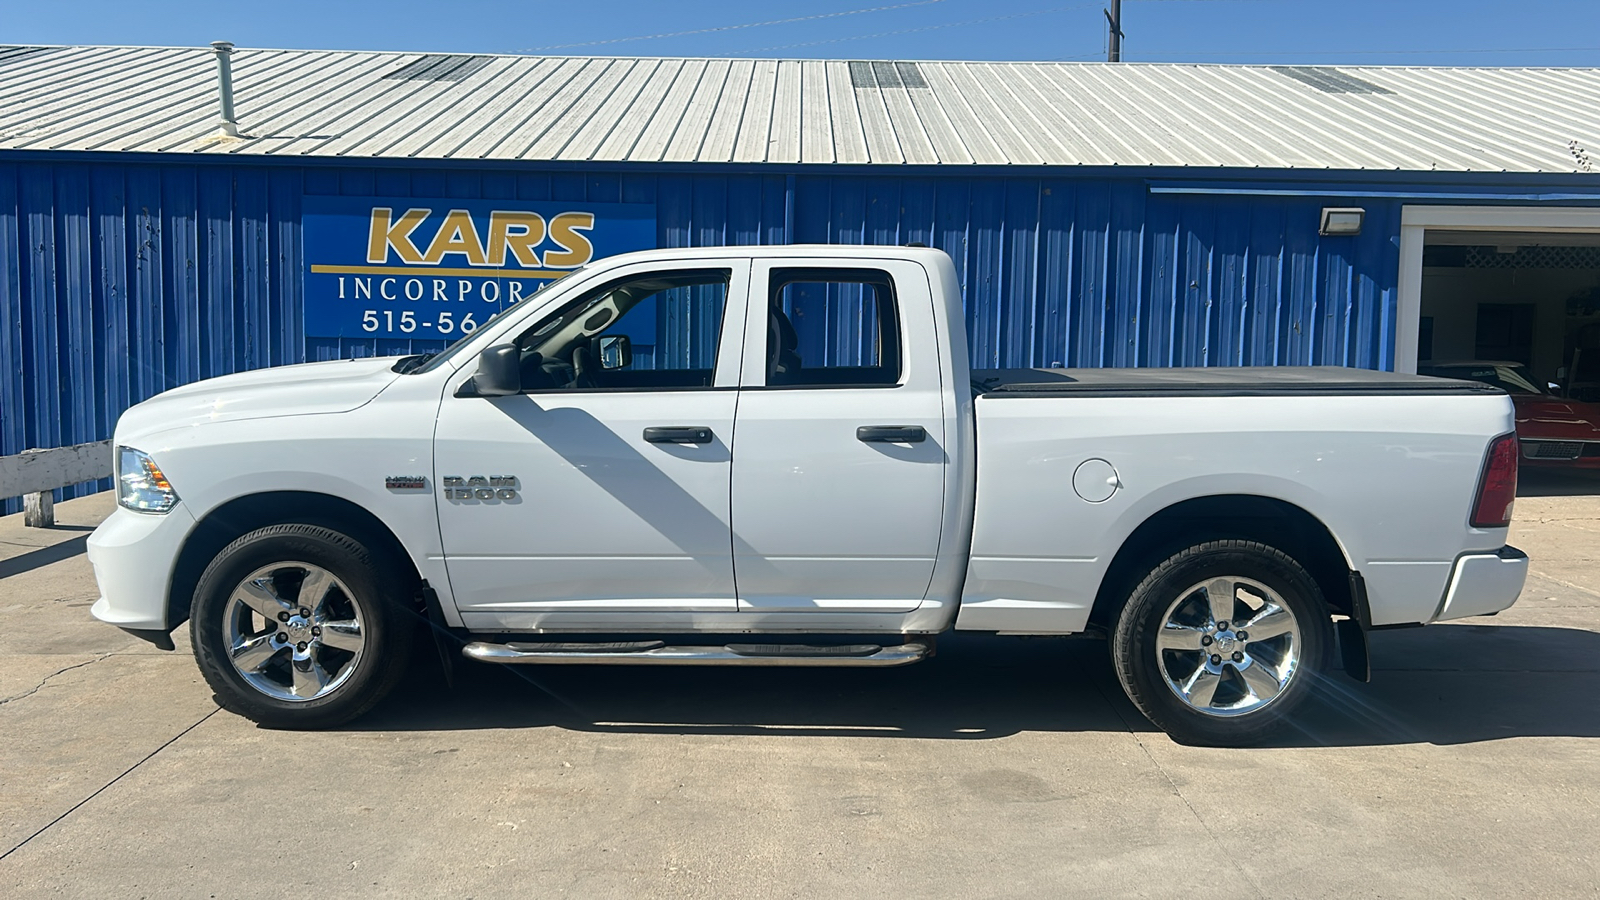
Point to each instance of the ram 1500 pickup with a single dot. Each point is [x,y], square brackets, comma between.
[779,456]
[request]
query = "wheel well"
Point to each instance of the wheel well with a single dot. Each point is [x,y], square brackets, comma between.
[226,523]
[1273,522]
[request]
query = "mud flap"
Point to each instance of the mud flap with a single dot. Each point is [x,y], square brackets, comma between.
[444,639]
[1353,632]
[162,639]
[1353,650]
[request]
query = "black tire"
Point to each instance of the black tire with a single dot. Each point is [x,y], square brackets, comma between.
[379,596]
[1144,671]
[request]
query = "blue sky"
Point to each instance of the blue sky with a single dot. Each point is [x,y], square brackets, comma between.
[1406,32]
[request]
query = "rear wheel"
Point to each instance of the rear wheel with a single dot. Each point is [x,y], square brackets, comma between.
[298,626]
[1219,643]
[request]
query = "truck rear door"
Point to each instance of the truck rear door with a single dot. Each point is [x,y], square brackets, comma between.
[839,440]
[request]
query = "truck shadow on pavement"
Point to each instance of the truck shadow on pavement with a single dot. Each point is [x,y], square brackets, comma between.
[1448,684]
[1549,482]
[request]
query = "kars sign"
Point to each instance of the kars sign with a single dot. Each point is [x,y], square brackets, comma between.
[409,267]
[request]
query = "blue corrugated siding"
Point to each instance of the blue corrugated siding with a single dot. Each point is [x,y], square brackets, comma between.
[118,281]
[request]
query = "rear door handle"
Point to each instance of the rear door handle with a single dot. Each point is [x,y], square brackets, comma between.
[678,434]
[891,434]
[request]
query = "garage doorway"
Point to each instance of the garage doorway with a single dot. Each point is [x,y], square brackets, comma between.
[1517,291]
[1509,284]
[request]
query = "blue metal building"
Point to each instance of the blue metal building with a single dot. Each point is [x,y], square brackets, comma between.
[1098,215]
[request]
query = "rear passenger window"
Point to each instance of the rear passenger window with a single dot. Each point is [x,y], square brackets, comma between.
[832,328]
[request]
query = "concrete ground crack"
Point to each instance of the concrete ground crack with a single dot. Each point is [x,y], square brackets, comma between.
[1222,852]
[1563,583]
[36,688]
[129,771]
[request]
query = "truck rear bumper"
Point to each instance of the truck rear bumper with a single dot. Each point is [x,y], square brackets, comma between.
[132,554]
[1484,583]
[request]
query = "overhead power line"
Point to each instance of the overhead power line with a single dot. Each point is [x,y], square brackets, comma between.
[673,34]
[984,20]
[863,37]
[841,14]
[1409,51]
[1114,21]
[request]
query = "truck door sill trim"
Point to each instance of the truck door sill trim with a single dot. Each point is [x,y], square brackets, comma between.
[652,653]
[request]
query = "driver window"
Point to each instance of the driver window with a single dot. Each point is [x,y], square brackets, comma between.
[646,331]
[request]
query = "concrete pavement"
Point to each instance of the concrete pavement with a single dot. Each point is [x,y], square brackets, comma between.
[1004,767]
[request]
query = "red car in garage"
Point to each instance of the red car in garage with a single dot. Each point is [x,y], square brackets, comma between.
[1553,431]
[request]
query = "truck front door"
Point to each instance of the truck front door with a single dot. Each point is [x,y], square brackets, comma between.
[839,448]
[604,486]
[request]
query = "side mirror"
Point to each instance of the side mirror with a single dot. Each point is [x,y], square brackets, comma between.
[499,371]
[616,351]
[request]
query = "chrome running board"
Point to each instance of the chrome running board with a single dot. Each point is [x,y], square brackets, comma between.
[659,653]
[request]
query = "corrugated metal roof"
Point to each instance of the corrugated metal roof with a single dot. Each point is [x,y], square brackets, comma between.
[315,103]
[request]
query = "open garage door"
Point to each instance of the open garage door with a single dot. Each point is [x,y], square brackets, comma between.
[1503,284]
[1511,296]
[1522,297]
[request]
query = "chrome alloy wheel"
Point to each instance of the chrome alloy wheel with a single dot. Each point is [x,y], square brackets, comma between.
[294,631]
[1228,646]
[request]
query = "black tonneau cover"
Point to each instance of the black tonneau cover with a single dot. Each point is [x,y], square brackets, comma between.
[1256,381]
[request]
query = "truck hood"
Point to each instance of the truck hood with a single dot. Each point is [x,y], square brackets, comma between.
[306,389]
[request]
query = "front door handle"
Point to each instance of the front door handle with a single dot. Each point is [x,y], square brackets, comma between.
[891,434]
[678,434]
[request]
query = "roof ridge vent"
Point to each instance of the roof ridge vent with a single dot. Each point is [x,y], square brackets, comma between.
[439,67]
[1330,80]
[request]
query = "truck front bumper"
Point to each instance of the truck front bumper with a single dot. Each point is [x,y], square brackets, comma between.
[133,555]
[1484,583]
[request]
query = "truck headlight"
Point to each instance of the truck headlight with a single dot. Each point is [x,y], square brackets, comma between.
[140,485]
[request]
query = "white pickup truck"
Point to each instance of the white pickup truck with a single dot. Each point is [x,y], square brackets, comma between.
[779,456]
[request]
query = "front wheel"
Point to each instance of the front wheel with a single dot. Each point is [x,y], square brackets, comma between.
[1219,643]
[299,626]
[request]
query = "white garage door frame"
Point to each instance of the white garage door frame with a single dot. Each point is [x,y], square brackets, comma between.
[1416,221]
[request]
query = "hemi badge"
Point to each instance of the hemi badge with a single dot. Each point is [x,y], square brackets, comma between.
[405,482]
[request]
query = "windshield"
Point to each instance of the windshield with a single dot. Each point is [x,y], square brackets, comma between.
[1511,379]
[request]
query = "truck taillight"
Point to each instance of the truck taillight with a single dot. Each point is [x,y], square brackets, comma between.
[1497,490]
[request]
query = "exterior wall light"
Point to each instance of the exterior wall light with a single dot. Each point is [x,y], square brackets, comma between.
[1342,221]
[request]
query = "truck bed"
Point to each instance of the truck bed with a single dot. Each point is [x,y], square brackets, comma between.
[1387,462]
[1261,381]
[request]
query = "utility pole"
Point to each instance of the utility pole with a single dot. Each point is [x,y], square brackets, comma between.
[1114,46]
